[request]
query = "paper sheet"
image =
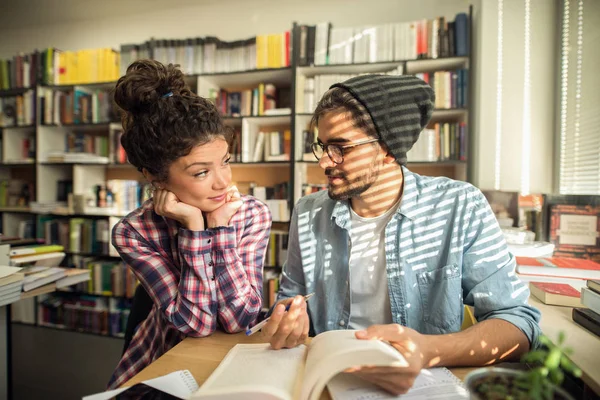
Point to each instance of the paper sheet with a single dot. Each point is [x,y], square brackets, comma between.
[432,384]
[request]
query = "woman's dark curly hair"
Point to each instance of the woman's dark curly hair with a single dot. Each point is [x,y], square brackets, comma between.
[160,127]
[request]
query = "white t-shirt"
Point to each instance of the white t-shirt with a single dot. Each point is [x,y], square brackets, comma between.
[370,300]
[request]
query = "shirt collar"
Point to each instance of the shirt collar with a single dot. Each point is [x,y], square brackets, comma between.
[409,196]
[341,210]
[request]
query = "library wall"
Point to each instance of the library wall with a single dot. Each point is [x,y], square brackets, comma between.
[44,26]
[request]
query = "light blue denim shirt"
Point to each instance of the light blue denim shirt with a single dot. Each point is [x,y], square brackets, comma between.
[443,249]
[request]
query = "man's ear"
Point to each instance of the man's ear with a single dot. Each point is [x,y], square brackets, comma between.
[389,157]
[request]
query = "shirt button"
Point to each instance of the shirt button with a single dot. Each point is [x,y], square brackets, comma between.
[212,277]
[342,323]
[208,240]
[210,264]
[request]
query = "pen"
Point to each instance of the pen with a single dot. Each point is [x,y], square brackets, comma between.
[259,326]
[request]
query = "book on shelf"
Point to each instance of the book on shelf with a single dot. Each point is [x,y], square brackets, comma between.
[73,157]
[47,259]
[79,67]
[445,141]
[18,110]
[575,228]
[81,105]
[11,292]
[21,71]
[558,294]
[38,249]
[574,268]
[73,276]
[11,284]
[10,274]
[98,315]
[210,55]
[451,87]
[40,276]
[303,372]
[16,192]
[265,99]
[323,44]
[310,89]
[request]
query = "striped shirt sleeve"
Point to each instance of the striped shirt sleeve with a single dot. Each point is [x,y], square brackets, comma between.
[489,280]
[238,272]
[186,300]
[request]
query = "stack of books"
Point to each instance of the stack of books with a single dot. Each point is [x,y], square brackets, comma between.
[11,283]
[572,271]
[589,317]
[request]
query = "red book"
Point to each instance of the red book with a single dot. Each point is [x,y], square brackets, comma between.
[559,294]
[575,268]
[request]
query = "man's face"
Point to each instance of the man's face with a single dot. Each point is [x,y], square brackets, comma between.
[360,167]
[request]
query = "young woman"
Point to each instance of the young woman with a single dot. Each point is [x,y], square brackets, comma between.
[197,246]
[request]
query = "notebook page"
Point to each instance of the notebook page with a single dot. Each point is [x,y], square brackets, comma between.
[431,384]
[180,384]
[257,367]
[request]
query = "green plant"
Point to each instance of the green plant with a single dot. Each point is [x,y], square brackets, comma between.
[552,361]
[539,383]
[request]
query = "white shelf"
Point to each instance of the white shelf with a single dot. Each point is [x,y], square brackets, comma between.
[436,64]
[268,120]
[248,79]
[273,164]
[16,209]
[450,113]
[349,68]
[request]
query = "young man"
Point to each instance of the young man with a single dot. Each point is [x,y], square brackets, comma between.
[395,254]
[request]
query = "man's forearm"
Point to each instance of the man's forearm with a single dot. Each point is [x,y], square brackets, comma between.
[484,343]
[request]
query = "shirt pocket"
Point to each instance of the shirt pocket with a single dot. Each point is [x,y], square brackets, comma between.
[441,296]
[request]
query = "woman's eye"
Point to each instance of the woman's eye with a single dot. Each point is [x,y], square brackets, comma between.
[201,174]
[227,161]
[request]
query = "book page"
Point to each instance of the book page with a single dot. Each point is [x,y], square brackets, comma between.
[252,369]
[431,384]
[332,352]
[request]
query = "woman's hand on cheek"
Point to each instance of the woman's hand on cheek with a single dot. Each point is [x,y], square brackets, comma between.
[222,215]
[168,205]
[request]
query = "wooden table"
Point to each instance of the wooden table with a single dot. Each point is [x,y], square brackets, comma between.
[201,356]
[585,345]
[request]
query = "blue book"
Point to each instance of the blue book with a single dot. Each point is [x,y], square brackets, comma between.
[461,31]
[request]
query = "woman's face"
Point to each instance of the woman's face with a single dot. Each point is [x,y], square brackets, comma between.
[201,178]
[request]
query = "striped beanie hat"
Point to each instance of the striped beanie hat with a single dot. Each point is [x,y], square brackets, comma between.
[399,105]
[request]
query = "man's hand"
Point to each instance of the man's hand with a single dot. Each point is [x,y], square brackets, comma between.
[222,215]
[287,329]
[168,205]
[410,343]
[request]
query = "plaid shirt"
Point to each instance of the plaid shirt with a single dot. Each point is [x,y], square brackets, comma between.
[197,279]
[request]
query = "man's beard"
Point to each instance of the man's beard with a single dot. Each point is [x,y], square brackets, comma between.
[347,189]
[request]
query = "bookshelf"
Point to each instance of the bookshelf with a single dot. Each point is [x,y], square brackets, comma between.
[284,163]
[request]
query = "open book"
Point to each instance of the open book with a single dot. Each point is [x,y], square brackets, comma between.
[256,371]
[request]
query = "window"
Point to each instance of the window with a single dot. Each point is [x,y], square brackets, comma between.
[579,91]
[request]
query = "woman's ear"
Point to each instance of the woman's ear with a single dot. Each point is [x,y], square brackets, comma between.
[152,179]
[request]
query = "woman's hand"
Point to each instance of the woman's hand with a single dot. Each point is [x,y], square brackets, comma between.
[168,205]
[222,215]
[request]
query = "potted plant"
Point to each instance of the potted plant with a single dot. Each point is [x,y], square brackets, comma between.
[540,383]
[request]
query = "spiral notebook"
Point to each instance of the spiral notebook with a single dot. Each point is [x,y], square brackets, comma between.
[431,384]
[176,385]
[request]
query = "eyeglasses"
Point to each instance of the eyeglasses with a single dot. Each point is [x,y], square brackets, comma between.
[335,151]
